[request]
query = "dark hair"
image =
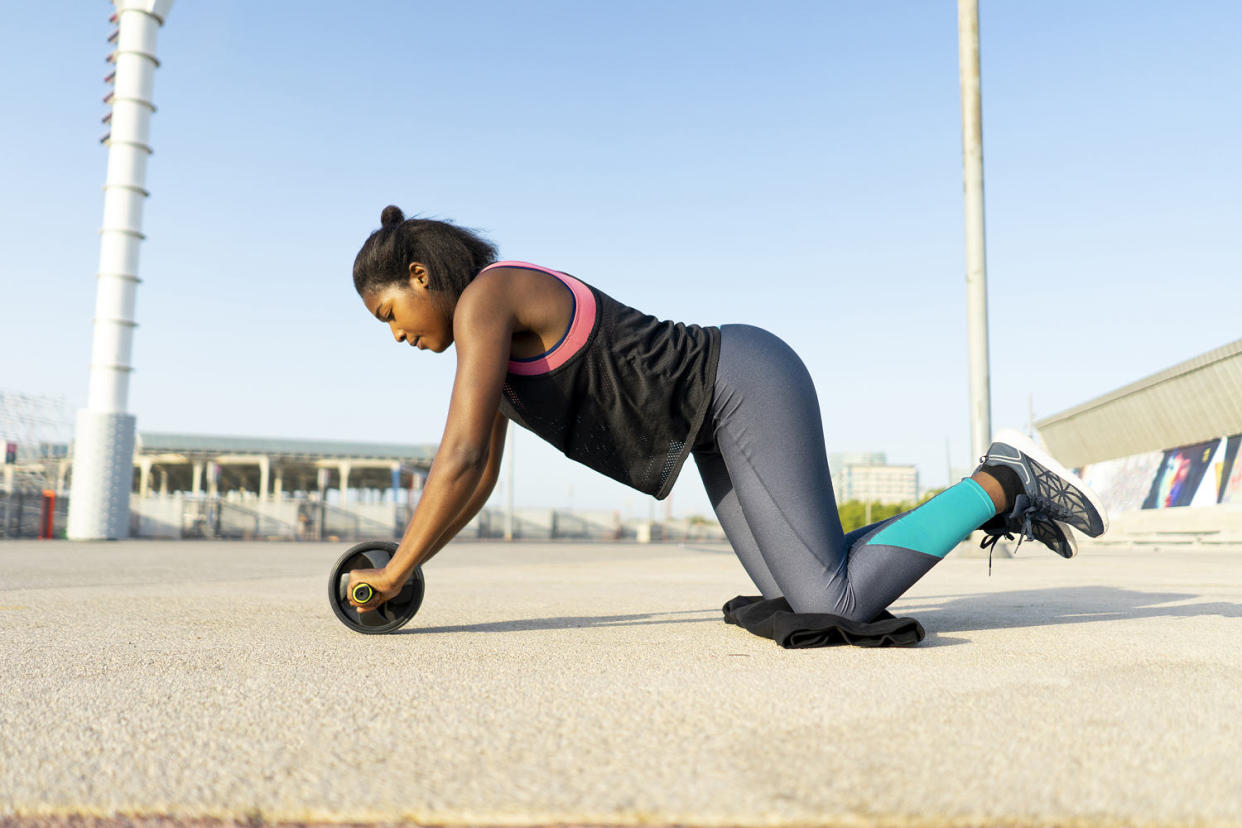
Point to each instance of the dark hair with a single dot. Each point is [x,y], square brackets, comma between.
[452,255]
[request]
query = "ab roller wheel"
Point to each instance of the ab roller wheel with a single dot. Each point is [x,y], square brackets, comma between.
[389,616]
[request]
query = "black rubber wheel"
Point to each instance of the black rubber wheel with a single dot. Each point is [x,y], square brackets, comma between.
[389,616]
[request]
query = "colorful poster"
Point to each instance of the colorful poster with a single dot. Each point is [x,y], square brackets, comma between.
[1180,475]
[1209,488]
[1230,482]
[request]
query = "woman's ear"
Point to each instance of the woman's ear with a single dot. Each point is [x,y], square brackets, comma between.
[418,275]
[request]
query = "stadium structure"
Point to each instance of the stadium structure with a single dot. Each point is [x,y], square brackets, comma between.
[275,488]
[1162,452]
[195,485]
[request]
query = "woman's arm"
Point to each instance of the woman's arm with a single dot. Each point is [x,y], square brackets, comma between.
[482,330]
[495,453]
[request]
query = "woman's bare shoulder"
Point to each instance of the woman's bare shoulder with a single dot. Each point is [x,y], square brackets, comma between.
[487,290]
[534,300]
[513,285]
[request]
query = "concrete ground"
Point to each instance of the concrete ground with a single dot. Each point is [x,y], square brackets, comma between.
[558,683]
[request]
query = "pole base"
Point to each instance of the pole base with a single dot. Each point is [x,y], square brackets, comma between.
[103,473]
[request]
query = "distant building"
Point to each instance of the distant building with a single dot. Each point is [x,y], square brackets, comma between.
[268,468]
[273,468]
[840,459]
[866,476]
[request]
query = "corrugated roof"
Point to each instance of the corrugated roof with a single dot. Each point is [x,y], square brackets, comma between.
[1194,400]
[158,442]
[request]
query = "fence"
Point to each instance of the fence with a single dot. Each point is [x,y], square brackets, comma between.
[38,514]
[214,518]
[220,519]
[27,514]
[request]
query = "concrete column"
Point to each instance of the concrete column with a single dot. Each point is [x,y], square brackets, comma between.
[164,482]
[144,481]
[344,472]
[196,485]
[976,256]
[62,472]
[9,472]
[279,489]
[213,486]
[265,471]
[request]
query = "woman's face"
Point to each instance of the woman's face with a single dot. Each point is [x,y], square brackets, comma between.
[412,312]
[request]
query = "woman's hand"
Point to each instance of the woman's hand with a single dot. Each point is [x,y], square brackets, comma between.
[381,584]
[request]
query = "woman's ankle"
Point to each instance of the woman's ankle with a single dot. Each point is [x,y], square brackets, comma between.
[994,490]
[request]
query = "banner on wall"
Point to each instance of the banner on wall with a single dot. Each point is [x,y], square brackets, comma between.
[1180,475]
[1229,474]
[1200,474]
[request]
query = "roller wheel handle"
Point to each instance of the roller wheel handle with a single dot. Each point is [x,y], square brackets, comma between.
[372,618]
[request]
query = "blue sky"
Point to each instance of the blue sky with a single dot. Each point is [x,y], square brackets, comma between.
[791,165]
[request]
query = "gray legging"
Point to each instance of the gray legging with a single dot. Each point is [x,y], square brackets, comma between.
[762,458]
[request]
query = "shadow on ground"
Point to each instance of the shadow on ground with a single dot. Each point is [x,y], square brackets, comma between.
[960,613]
[573,622]
[1058,605]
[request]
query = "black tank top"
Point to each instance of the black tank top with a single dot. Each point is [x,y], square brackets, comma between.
[622,392]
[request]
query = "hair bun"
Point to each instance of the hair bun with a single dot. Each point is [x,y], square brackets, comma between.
[391,216]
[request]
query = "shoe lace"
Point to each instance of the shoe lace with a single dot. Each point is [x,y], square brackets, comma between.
[989,543]
[1046,507]
[1026,510]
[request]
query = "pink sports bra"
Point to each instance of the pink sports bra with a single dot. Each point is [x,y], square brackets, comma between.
[581,322]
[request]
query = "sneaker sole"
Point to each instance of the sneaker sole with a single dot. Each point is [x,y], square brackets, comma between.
[1028,447]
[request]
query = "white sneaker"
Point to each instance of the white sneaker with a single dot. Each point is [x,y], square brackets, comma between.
[1050,492]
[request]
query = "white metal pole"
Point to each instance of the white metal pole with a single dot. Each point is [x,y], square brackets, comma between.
[104,438]
[976,260]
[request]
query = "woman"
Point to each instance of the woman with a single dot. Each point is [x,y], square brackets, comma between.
[632,397]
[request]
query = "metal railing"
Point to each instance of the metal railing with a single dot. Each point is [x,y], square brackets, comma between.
[214,518]
[32,514]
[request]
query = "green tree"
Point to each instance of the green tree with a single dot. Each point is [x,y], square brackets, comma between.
[853,513]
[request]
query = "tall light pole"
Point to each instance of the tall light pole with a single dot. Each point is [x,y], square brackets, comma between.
[976,258]
[103,454]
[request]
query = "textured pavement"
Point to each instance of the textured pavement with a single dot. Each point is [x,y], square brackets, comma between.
[559,683]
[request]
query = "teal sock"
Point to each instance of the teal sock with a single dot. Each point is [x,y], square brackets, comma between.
[942,522]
